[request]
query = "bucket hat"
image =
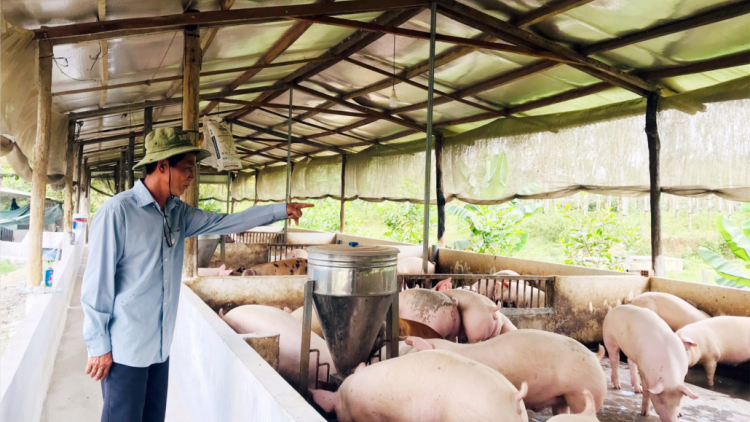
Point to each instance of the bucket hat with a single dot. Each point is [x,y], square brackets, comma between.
[168,142]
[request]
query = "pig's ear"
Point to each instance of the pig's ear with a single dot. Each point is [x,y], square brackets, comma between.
[325,399]
[455,300]
[360,366]
[688,342]
[444,285]
[657,388]
[506,284]
[686,391]
[519,396]
[419,343]
[287,310]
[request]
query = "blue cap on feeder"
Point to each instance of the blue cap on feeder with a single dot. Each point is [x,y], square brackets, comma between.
[353,244]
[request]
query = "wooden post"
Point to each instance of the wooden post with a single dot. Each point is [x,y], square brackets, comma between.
[439,190]
[41,158]
[654,145]
[116,177]
[131,163]
[342,213]
[79,183]
[191,67]
[68,201]
[123,170]
[148,121]
[257,176]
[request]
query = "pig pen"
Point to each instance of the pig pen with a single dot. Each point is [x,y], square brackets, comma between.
[577,301]
[579,298]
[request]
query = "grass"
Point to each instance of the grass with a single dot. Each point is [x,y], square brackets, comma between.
[8,267]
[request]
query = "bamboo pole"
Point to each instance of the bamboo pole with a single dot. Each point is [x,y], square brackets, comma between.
[288,162]
[654,145]
[428,139]
[79,175]
[41,158]
[191,67]
[257,176]
[68,194]
[439,190]
[131,158]
[148,122]
[342,213]
[123,170]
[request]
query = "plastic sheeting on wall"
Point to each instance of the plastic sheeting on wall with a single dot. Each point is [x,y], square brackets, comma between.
[18,104]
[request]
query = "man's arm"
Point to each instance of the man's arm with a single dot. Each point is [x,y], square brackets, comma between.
[198,221]
[98,287]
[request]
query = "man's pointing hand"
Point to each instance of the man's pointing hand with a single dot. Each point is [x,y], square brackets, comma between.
[294,210]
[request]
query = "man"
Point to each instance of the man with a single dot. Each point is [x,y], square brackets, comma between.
[131,286]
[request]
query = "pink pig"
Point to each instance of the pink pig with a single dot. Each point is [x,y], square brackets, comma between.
[266,319]
[588,414]
[557,369]
[431,308]
[654,350]
[413,265]
[429,386]
[314,323]
[675,311]
[480,319]
[724,339]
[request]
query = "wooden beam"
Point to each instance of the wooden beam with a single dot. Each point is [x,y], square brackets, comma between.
[281,45]
[654,146]
[714,15]
[723,62]
[191,67]
[104,54]
[364,122]
[90,31]
[173,101]
[342,211]
[559,98]
[149,82]
[424,87]
[347,47]
[323,130]
[512,34]
[68,194]
[260,104]
[295,139]
[547,10]
[373,113]
[421,35]
[41,158]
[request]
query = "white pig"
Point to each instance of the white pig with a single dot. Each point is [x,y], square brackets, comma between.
[314,323]
[264,319]
[672,309]
[557,369]
[503,323]
[480,319]
[588,415]
[654,350]
[413,265]
[722,339]
[431,308]
[431,386]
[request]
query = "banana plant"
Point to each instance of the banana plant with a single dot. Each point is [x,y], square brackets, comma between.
[730,275]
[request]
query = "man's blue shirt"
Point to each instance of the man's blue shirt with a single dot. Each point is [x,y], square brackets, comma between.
[131,286]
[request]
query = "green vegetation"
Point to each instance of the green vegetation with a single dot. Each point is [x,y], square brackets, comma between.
[739,242]
[494,228]
[8,267]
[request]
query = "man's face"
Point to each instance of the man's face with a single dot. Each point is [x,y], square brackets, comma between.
[183,174]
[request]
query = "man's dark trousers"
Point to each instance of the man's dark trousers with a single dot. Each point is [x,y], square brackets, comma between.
[135,394]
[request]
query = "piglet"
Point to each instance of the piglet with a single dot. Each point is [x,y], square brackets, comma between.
[315,322]
[266,319]
[588,414]
[557,369]
[431,308]
[672,309]
[655,350]
[430,386]
[413,265]
[413,328]
[722,339]
[297,254]
[283,267]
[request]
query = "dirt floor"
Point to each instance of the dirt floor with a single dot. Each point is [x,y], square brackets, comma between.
[12,305]
[711,406]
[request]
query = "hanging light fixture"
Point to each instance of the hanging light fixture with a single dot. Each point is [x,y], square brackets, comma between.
[393,100]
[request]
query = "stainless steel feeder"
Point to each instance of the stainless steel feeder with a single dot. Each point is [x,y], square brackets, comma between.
[353,288]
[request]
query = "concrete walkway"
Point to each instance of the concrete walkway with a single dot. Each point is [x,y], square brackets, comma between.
[73,396]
